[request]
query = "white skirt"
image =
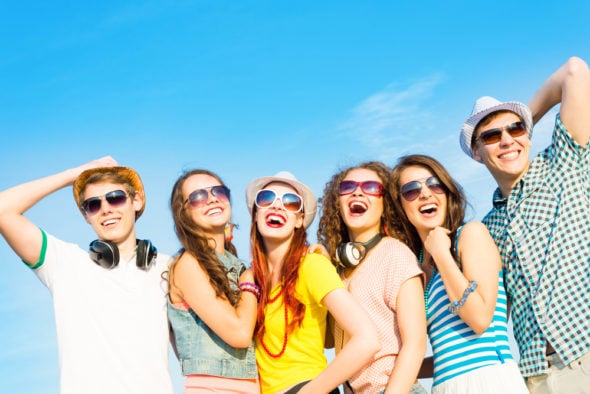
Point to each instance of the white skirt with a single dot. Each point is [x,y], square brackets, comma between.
[493,379]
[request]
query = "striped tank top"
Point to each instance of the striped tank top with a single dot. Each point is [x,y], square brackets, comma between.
[456,348]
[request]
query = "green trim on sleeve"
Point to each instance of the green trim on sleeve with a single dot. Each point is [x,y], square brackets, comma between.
[42,254]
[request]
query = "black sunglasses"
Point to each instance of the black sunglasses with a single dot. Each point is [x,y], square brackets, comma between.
[411,190]
[199,197]
[116,198]
[372,188]
[492,136]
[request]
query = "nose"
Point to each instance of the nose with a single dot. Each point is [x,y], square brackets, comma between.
[275,204]
[425,191]
[506,138]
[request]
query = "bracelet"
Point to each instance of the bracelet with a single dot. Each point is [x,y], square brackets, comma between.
[456,305]
[251,288]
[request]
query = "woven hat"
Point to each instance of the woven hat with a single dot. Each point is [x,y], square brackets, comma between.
[486,105]
[309,200]
[126,173]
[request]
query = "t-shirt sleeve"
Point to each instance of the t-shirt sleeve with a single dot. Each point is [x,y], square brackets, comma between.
[404,265]
[319,276]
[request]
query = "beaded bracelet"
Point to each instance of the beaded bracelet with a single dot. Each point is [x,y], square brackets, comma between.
[251,288]
[456,305]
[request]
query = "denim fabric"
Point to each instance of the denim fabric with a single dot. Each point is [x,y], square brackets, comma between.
[200,350]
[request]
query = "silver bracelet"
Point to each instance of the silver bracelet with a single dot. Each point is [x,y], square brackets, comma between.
[456,305]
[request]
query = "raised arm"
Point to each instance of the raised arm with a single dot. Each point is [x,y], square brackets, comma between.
[21,234]
[480,261]
[570,85]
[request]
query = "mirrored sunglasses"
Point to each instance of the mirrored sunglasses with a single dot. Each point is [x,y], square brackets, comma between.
[200,197]
[289,201]
[372,188]
[116,198]
[411,190]
[493,136]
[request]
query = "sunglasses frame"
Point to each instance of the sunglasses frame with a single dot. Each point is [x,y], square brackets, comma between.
[493,136]
[436,187]
[222,192]
[364,187]
[114,198]
[280,198]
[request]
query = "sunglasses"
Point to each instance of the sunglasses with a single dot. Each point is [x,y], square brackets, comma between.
[290,201]
[116,198]
[492,136]
[411,190]
[199,197]
[372,188]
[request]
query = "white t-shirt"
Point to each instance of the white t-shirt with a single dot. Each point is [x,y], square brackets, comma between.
[112,329]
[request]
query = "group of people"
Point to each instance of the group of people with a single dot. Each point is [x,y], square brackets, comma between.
[395,264]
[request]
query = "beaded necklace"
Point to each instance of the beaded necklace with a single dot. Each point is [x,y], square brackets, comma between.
[285,336]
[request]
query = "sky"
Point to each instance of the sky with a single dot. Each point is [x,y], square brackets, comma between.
[245,89]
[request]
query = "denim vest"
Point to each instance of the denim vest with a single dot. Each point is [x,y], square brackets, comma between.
[200,350]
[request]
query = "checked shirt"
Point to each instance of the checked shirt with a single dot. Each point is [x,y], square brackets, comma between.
[543,232]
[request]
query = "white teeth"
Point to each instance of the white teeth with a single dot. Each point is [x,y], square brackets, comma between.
[275,219]
[428,208]
[214,211]
[109,222]
[509,155]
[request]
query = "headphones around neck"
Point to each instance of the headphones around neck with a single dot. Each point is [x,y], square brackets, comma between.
[106,254]
[350,254]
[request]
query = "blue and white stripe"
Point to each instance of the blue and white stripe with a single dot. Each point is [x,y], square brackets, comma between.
[457,349]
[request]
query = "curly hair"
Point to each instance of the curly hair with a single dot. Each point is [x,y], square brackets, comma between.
[456,200]
[332,230]
[289,274]
[195,241]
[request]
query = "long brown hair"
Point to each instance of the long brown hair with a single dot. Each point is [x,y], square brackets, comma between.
[289,273]
[332,230]
[196,242]
[456,200]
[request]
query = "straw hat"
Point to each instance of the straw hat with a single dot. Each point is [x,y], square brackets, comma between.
[126,173]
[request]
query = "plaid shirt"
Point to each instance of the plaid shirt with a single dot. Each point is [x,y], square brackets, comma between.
[543,232]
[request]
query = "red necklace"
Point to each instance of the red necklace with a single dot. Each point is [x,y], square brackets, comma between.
[260,337]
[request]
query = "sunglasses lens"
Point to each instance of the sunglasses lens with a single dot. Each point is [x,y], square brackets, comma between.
[372,188]
[411,190]
[516,129]
[116,198]
[265,198]
[292,202]
[92,205]
[346,187]
[221,192]
[198,197]
[491,137]
[434,184]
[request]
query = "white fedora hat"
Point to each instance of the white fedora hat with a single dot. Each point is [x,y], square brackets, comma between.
[483,107]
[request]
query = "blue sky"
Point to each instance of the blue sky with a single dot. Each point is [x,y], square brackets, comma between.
[245,89]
